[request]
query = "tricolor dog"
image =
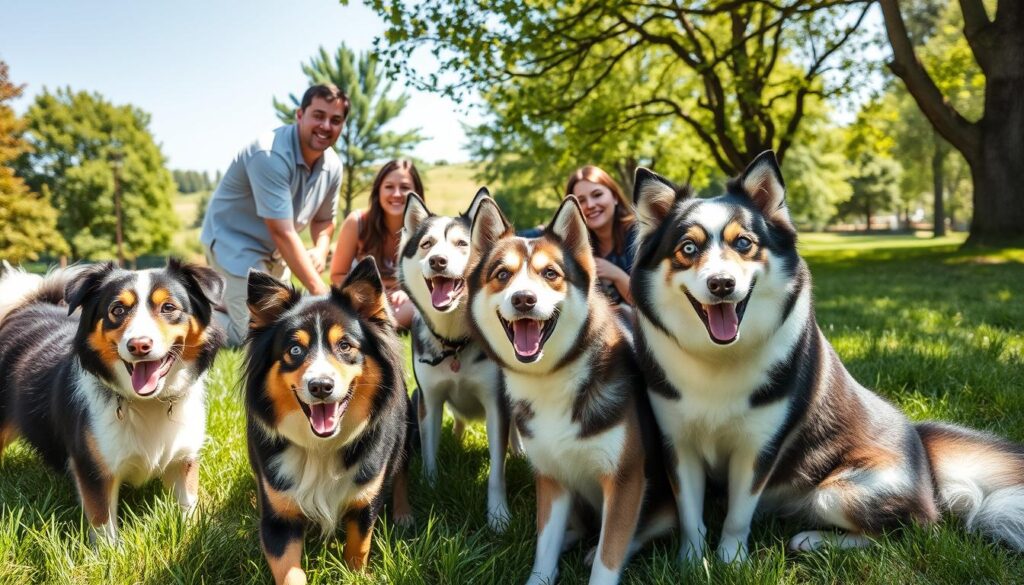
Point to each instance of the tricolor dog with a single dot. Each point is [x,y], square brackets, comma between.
[577,393]
[751,393]
[450,366]
[102,371]
[326,414]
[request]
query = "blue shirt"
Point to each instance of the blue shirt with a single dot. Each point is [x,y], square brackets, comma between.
[268,179]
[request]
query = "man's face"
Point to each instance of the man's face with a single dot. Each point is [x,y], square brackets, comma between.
[320,124]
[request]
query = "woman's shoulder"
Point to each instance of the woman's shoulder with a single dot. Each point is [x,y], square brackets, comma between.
[354,218]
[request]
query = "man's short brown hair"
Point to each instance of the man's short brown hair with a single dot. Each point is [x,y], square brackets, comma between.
[327,92]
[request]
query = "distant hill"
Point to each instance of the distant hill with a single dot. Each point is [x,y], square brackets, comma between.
[450,188]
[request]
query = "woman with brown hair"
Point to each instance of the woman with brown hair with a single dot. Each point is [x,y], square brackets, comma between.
[610,221]
[376,232]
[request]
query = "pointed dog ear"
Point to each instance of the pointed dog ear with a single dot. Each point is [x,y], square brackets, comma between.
[268,298]
[762,182]
[84,283]
[363,290]
[205,286]
[570,227]
[653,196]
[474,205]
[489,225]
[415,213]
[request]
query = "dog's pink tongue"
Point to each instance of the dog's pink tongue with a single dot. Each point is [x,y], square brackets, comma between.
[526,333]
[145,376]
[444,289]
[323,417]
[723,321]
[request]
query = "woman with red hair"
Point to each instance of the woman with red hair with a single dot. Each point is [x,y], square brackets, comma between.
[611,221]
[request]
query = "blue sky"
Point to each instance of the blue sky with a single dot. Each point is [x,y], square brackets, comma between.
[205,71]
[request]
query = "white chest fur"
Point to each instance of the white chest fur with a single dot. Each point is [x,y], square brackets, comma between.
[320,485]
[714,417]
[147,436]
[553,442]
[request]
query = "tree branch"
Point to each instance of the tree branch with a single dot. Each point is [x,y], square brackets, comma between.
[963,135]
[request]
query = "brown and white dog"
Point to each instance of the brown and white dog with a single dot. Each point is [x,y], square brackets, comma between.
[577,393]
[751,392]
[326,414]
[113,392]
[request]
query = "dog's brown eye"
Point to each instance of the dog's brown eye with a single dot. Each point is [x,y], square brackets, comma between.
[462,243]
[426,244]
[345,346]
[168,308]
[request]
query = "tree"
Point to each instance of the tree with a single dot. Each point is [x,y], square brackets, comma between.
[738,75]
[364,141]
[531,154]
[994,143]
[875,186]
[817,177]
[87,156]
[28,223]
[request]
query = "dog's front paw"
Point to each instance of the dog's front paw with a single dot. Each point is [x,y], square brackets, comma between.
[404,519]
[691,554]
[498,517]
[732,549]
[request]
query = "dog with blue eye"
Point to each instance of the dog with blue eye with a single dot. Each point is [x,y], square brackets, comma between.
[326,409]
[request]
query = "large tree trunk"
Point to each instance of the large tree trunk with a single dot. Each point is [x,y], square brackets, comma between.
[938,154]
[997,169]
[994,145]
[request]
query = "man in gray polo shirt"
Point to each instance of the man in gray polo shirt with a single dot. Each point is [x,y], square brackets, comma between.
[275,187]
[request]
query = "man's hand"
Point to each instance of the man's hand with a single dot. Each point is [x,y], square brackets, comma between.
[319,258]
[294,253]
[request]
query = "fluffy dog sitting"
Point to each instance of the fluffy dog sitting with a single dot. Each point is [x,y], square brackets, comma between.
[752,393]
[112,392]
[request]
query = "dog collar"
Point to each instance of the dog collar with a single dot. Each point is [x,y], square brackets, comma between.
[450,349]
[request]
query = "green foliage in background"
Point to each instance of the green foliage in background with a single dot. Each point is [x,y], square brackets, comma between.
[364,143]
[81,145]
[28,223]
[192,181]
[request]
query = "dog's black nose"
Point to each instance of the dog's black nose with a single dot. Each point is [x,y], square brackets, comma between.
[524,301]
[721,285]
[140,346]
[438,263]
[320,387]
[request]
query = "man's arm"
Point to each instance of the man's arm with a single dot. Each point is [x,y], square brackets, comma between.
[287,241]
[321,232]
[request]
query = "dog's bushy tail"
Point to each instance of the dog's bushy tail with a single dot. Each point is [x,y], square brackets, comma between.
[980,478]
[18,287]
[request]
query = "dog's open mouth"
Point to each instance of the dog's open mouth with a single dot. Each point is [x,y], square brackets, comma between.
[324,417]
[444,291]
[528,336]
[146,375]
[722,320]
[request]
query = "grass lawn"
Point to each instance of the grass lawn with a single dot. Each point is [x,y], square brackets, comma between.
[937,330]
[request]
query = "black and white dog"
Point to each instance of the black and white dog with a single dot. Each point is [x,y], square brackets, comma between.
[112,392]
[451,367]
[578,395]
[751,392]
[326,411]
